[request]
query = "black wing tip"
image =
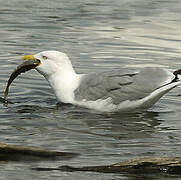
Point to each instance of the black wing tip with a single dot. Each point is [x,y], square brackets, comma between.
[177,72]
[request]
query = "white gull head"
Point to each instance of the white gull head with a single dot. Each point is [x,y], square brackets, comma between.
[56,67]
[53,62]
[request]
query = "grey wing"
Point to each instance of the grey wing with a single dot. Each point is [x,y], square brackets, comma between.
[122,84]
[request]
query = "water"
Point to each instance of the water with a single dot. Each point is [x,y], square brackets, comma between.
[96,35]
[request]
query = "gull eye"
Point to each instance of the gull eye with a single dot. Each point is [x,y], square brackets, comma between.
[45,57]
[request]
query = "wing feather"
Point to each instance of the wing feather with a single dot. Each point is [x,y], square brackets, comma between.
[122,84]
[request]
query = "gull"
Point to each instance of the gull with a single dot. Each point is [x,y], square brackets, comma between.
[108,91]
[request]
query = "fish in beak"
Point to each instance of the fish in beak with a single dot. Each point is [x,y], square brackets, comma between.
[29,62]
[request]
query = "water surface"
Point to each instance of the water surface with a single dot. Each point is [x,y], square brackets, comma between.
[96,35]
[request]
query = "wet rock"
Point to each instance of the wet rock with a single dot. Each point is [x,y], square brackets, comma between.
[21,153]
[169,165]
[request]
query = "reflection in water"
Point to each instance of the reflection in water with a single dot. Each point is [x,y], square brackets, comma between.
[118,126]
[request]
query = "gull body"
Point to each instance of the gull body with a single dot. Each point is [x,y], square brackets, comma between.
[117,90]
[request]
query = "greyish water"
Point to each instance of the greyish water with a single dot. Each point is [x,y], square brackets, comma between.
[97,34]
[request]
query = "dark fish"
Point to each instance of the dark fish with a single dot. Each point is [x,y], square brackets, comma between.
[25,66]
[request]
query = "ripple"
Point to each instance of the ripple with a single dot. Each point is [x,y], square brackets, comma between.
[96,35]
